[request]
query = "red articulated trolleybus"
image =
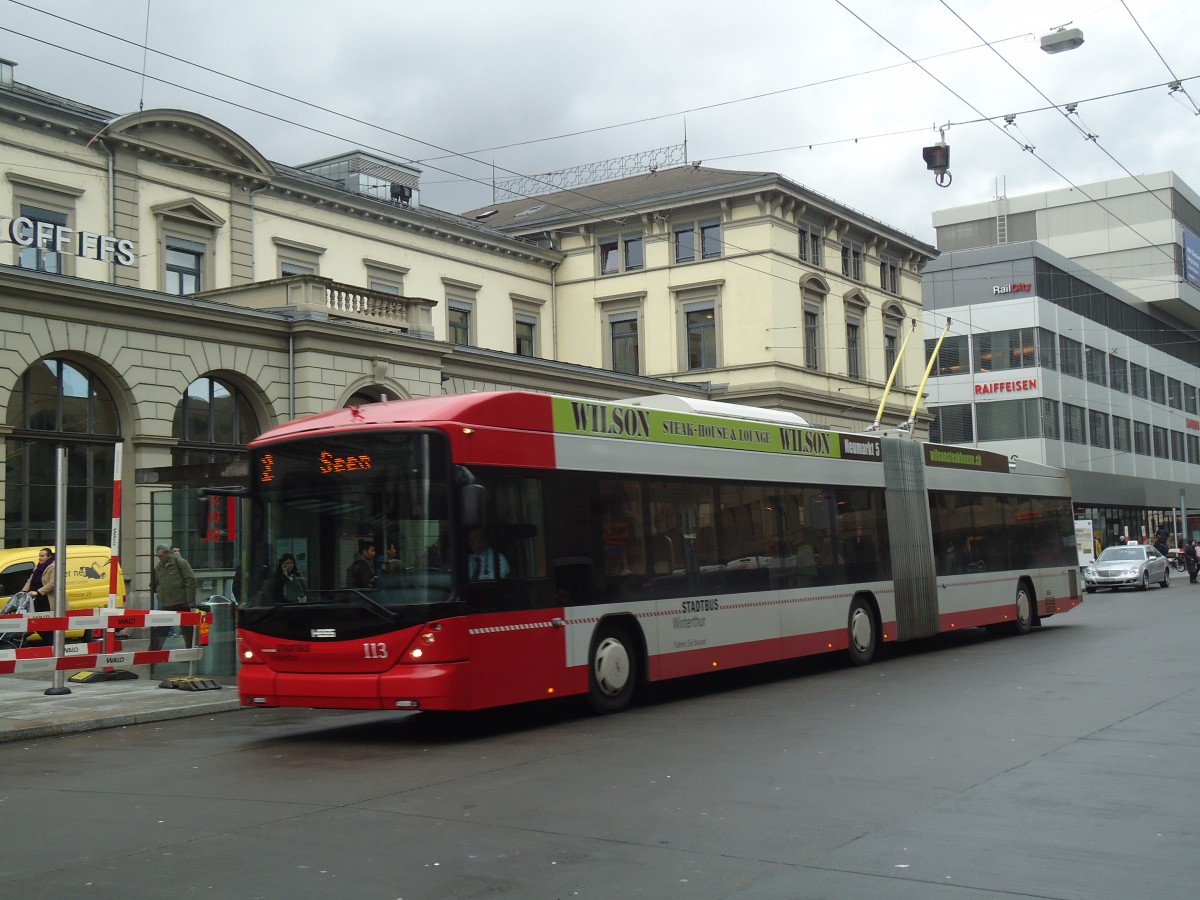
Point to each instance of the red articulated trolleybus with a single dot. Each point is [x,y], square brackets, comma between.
[626,542]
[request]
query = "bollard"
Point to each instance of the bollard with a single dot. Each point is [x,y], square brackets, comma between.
[220,656]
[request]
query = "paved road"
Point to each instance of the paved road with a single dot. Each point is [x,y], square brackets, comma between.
[1058,765]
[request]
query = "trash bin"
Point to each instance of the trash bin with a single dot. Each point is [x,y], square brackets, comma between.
[220,656]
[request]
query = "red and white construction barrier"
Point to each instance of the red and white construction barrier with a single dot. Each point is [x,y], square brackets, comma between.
[92,655]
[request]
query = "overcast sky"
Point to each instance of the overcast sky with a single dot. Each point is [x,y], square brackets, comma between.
[845,112]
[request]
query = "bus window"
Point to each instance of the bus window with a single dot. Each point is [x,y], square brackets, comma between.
[598,539]
[862,536]
[515,527]
[969,532]
[747,535]
[683,526]
[617,514]
[806,550]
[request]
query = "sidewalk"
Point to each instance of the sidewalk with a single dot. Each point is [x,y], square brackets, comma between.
[26,711]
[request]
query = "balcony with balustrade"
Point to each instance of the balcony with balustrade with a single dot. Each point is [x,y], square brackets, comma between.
[313,294]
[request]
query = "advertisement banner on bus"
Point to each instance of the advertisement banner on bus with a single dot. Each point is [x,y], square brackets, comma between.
[638,423]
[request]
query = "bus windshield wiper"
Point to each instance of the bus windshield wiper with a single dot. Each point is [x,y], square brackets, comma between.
[383,610]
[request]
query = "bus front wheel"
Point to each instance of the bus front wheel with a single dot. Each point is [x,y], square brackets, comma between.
[1023,623]
[864,636]
[612,670]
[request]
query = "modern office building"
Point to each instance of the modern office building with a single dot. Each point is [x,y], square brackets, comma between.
[1077,337]
[1139,234]
[1046,360]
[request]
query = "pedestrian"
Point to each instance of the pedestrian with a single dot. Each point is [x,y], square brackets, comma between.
[1192,559]
[286,584]
[175,583]
[391,555]
[361,572]
[40,585]
[175,552]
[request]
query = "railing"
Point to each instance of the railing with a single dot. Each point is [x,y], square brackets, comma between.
[312,293]
[383,309]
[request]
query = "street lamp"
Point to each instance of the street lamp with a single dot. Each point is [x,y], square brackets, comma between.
[1062,38]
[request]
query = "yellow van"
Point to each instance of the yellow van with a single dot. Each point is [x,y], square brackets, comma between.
[87,576]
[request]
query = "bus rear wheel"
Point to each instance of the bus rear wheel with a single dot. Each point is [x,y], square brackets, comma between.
[612,669]
[861,630]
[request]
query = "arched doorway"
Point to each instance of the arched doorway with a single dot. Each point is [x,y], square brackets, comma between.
[213,422]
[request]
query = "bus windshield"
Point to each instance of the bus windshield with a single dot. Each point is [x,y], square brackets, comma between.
[358,518]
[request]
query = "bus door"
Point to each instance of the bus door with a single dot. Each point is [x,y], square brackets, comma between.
[517,640]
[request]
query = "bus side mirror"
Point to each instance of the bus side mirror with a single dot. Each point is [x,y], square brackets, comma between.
[472,500]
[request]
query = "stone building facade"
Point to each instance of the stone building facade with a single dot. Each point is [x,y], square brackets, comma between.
[167,290]
[762,290]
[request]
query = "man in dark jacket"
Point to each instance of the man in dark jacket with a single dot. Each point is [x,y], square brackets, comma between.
[175,584]
[361,573]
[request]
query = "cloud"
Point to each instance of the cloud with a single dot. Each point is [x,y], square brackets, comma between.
[474,75]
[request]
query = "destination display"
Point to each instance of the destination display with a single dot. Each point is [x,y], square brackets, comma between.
[324,462]
[965,458]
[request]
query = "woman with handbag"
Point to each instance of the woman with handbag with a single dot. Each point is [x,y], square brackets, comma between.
[41,581]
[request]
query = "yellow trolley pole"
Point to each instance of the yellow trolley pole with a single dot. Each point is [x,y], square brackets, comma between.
[912,416]
[887,388]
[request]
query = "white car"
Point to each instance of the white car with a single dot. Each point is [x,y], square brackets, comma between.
[1134,565]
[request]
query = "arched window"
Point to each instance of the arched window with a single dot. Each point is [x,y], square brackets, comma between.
[856,317]
[59,403]
[213,423]
[812,295]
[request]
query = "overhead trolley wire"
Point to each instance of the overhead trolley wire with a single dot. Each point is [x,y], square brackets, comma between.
[1177,81]
[450,154]
[1067,114]
[1024,146]
[542,198]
